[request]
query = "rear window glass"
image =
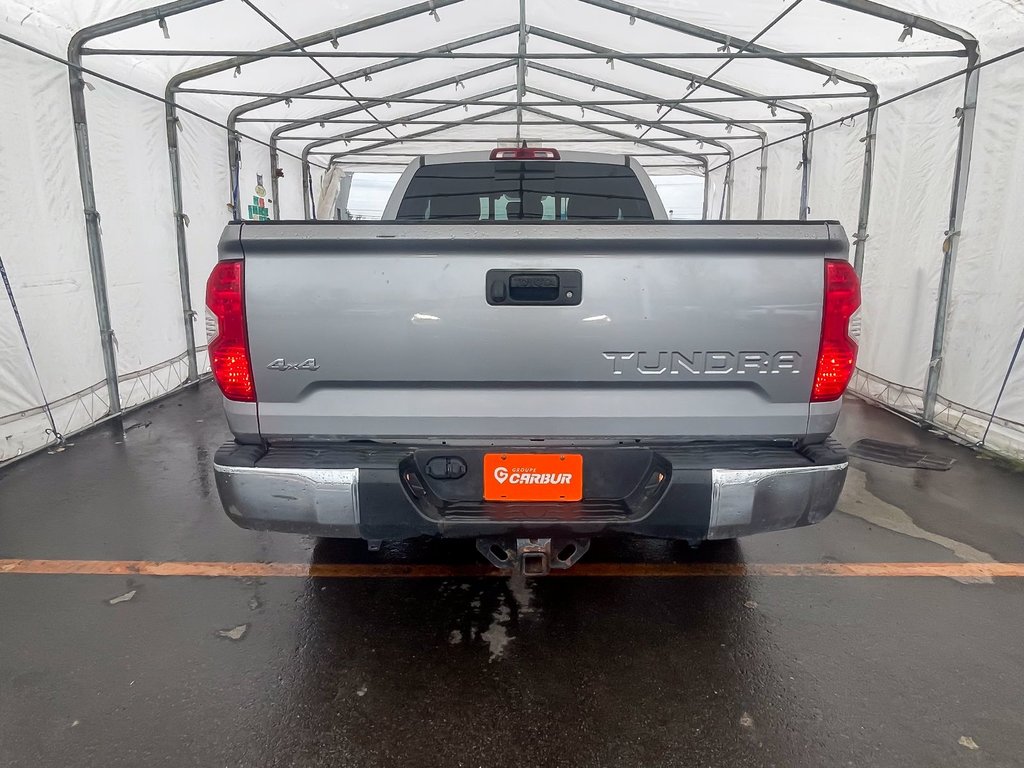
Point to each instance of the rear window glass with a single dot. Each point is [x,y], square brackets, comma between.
[525,191]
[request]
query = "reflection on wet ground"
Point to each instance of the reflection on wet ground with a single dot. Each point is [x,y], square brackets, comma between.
[755,668]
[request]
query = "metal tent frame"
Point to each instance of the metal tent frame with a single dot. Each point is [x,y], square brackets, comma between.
[730,49]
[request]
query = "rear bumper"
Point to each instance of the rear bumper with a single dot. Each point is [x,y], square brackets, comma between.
[678,492]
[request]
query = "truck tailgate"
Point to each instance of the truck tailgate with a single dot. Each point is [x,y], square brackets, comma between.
[365,330]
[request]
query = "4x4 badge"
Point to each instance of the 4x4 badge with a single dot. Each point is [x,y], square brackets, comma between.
[308,364]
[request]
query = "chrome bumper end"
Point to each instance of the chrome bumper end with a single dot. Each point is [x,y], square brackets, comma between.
[746,501]
[320,502]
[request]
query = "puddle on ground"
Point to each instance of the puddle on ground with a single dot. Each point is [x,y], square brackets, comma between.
[858,501]
[514,601]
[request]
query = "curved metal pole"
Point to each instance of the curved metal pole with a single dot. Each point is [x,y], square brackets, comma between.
[313,120]
[316,143]
[632,120]
[950,246]
[94,238]
[235,114]
[725,87]
[616,134]
[861,235]
[385,143]
[961,174]
[328,35]
[668,129]
[306,201]
[718,37]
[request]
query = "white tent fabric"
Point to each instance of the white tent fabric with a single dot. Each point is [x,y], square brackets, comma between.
[359,96]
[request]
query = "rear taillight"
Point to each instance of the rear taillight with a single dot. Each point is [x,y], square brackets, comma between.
[225,330]
[525,153]
[837,355]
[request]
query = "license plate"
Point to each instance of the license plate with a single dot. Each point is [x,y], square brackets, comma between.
[533,476]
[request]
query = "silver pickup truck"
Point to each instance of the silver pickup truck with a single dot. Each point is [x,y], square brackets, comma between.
[527,353]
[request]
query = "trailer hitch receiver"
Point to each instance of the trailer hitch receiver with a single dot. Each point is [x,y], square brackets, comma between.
[532,557]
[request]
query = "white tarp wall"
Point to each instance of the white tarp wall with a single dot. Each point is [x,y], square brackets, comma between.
[42,244]
[43,241]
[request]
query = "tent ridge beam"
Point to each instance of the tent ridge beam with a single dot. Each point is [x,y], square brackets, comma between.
[536,123]
[564,139]
[458,102]
[749,125]
[623,56]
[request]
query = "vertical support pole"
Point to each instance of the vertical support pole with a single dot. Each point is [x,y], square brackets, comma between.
[865,185]
[950,246]
[521,71]
[805,179]
[707,192]
[341,211]
[727,193]
[93,237]
[180,220]
[306,181]
[275,184]
[762,180]
[234,163]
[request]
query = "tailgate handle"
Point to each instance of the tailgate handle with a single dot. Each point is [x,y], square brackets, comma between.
[557,287]
[533,287]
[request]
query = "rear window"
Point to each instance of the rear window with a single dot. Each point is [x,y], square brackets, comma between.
[525,191]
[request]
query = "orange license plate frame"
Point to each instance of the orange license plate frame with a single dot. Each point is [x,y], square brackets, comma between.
[533,477]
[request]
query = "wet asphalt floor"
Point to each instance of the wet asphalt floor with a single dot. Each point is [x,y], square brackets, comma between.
[740,670]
